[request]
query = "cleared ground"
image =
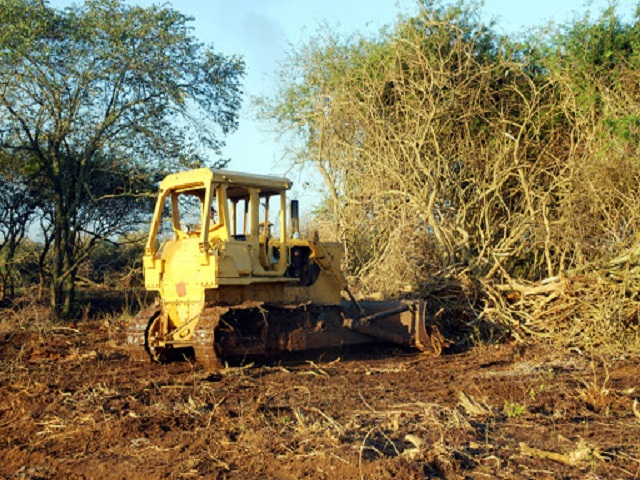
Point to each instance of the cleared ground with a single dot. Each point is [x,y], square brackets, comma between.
[74,406]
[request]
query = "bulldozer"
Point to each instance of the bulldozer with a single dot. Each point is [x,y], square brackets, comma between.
[232,283]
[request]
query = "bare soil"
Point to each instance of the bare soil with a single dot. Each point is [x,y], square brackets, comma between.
[74,406]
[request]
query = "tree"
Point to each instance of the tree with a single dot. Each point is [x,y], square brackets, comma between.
[101,99]
[18,204]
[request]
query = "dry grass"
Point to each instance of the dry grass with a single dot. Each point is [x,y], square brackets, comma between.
[594,393]
[26,313]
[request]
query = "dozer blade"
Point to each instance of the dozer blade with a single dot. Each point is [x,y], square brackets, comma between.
[399,322]
[268,329]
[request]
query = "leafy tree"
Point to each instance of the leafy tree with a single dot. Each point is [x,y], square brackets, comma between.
[101,99]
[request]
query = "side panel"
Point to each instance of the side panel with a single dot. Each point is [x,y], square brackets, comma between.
[187,273]
[239,253]
[153,270]
[324,292]
[272,292]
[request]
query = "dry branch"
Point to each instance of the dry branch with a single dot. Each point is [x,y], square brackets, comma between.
[593,306]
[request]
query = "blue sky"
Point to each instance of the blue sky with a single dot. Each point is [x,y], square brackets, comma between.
[261,30]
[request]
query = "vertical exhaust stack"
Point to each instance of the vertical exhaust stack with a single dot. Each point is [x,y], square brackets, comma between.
[295,219]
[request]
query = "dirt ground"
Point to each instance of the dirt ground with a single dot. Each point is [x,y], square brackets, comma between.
[74,406]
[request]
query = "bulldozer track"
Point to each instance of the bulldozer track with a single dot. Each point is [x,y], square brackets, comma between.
[137,330]
[204,337]
[254,328]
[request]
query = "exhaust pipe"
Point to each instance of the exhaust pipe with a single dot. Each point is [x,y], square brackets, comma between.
[295,219]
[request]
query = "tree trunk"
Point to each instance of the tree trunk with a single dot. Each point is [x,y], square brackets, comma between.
[60,301]
[8,286]
[41,284]
[12,287]
[68,297]
[42,260]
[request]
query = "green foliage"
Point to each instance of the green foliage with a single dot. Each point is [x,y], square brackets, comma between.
[513,410]
[626,127]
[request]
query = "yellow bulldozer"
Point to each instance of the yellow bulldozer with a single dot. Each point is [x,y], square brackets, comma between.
[232,283]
